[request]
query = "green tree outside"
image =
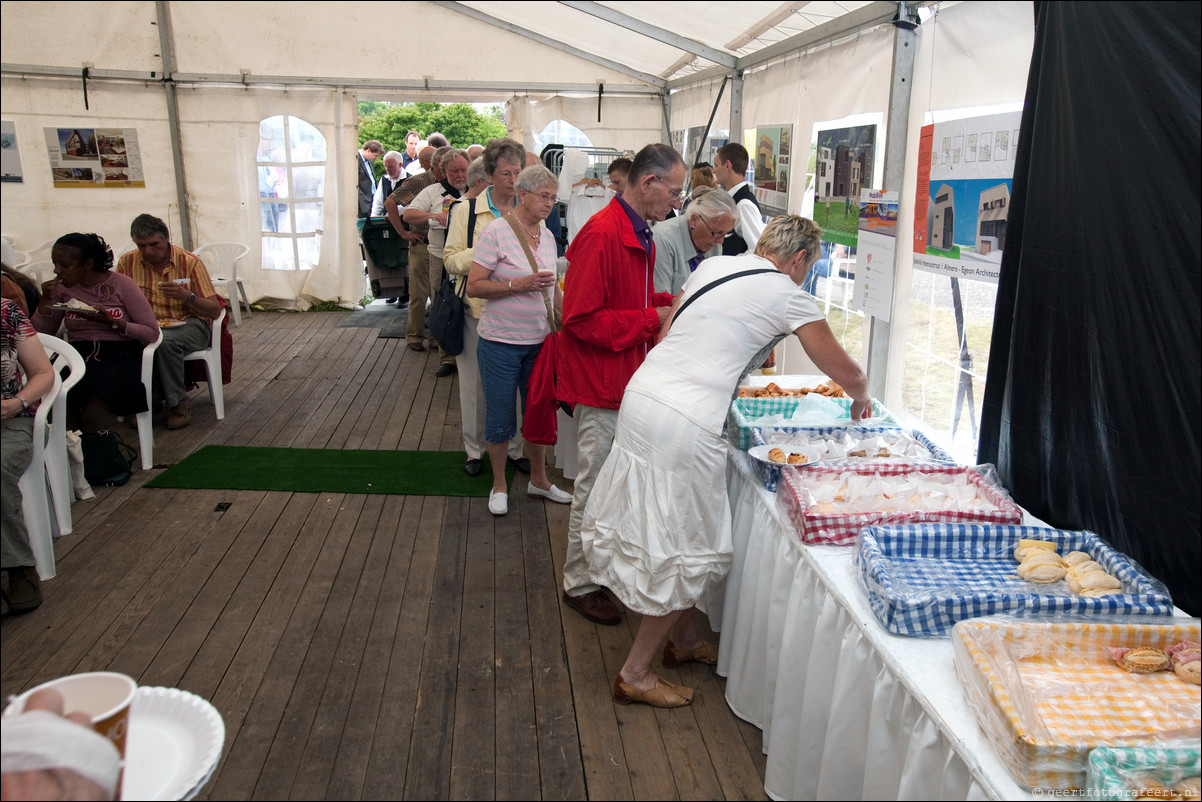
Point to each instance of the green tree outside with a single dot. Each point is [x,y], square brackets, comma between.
[460,123]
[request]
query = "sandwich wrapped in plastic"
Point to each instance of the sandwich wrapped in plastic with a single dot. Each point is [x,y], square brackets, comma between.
[831,504]
[1172,771]
[921,579]
[1046,693]
[795,414]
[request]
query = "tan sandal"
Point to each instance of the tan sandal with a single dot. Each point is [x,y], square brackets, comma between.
[674,656]
[664,694]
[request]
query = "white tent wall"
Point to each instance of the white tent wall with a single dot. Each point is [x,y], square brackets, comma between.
[691,107]
[34,211]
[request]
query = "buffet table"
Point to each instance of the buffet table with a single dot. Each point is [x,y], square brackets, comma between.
[848,710]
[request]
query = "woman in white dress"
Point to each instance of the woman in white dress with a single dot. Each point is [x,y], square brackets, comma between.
[657,527]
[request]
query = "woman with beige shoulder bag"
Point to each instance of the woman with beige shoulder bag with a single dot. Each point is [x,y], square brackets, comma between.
[513,270]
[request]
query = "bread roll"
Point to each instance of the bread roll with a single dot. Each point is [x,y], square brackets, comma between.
[1144,660]
[1076,558]
[1025,545]
[1097,580]
[1042,573]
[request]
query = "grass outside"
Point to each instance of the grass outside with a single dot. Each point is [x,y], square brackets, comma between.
[931,373]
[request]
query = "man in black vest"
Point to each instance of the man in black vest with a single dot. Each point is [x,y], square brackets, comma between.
[730,167]
[394,174]
[371,150]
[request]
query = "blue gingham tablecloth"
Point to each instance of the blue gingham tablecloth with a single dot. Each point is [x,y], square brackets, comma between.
[923,578]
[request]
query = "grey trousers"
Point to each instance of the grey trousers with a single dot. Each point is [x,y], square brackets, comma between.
[16,449]
[177,343]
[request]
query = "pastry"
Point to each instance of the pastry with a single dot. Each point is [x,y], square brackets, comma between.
[1042,572]
[1188,788]
[1025,545]
[1185,659]
[797,459]
[1076,558]
[1043,557]
[776,455]
[75,303]
[1144,660]
[1085,567]
[1097,580]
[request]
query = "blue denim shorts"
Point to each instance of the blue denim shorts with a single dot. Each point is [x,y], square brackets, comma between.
[504,371]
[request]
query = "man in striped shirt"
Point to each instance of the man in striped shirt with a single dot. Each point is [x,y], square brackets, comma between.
[179,290]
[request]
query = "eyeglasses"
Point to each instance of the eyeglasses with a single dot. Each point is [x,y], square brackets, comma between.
[545,197]
[710,229]
[677,193]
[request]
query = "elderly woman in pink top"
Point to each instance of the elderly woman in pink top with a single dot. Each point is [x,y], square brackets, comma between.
[519,297]
[110,323]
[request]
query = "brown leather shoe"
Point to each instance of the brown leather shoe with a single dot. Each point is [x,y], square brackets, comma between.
[705,653]
[416,347]
[664,694]
[24,589]
[180,415]
[596,607]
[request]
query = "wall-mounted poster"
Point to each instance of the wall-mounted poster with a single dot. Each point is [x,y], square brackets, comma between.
[699,151]
[770,157]
[10,155]
[962,195]
[844,165]
[94,157]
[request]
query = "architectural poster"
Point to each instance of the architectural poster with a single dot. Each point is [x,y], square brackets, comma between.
[962,196]
[771,155]
[94,157]
[872,290]
[844,165]
[10,155]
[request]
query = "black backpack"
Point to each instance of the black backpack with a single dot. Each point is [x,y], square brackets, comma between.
[107,459]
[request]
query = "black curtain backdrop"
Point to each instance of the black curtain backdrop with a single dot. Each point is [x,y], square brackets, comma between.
[1092,397]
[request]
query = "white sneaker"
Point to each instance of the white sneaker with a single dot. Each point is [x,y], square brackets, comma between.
[498,503]
[551,494]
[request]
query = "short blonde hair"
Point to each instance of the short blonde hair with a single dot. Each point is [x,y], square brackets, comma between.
[790,234]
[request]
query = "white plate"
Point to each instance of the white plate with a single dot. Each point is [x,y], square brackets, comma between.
[175,741]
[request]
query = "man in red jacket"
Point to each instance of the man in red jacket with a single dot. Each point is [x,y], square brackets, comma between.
[611,316]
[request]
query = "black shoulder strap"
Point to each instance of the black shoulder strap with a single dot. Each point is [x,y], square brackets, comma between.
[715,283]
[471,221]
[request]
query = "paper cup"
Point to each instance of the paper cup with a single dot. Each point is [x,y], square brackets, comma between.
[181,281]
[103,695]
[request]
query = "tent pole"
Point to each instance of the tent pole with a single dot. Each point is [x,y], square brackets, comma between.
[736,106]
[705,135]
[167,49]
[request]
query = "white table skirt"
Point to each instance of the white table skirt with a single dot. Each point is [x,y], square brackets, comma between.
[848,710]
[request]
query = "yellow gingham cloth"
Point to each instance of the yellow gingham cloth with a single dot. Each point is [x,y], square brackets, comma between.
[1054,692]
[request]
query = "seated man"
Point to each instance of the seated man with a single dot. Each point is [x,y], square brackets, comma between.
[179,290]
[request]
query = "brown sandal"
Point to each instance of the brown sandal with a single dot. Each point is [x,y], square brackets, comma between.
[674,656]
[663,694]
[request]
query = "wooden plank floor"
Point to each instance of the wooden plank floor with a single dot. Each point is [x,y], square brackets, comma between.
[364,647]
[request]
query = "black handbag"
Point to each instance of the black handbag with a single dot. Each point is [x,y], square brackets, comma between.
[107,459]
[446,315]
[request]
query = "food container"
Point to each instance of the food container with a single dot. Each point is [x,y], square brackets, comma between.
[881,494]
[1046,694]
[1124,772]
[813,411]
[831,445]
[922,579]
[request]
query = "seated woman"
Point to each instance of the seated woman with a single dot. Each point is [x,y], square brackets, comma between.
[26,376]
[657,528]
[516,319]
[109,322]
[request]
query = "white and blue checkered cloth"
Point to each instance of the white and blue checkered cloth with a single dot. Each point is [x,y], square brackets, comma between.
[923,578]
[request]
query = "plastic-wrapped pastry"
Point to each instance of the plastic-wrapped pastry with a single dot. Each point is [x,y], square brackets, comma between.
[1043,557]
[1076,558]
[1025,545]
[1188,788]
[1097,580]
[1185,659]
[1144,660]
[776,455]
[1042,572]
[1085,567]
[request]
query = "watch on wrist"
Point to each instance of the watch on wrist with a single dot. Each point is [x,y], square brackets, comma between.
[191,298]
[24,403]
[115,326]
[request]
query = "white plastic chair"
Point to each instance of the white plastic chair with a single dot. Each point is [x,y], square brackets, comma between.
[146,419]
[211,356]
[58,463]
[221,258]
[35,494]
[41,272]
